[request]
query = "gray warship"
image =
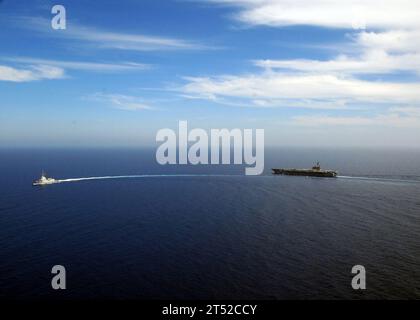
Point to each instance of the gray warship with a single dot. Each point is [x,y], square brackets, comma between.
[315,171]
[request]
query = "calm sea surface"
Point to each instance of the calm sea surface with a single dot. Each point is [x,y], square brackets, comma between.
[226,237]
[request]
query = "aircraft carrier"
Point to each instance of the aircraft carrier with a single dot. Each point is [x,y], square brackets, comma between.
[315,171]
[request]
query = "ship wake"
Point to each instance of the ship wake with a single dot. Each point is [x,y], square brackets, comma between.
[139,176]
[143,176]
[379,179]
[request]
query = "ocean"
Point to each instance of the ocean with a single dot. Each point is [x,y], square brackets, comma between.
[209,232]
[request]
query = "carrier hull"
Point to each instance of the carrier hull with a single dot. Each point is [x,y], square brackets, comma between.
[306,172]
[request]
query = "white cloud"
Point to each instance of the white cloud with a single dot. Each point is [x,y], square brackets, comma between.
[31,69]
[383,14]
[390,119]
[121,102]
[373,61]
[30,73]
[373,74]
[284,86]
[393,40]
[325,120]
[406,111]
[109,39]
[376,52]
[82,65]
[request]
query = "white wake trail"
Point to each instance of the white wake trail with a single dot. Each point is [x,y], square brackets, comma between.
[373,179]
[144,176]
[378,179]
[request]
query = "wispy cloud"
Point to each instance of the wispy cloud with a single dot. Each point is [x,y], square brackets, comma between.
[25,69]
[384,14]
[375,53]
[406,111]
[82,65]
[121,102]
[385,39]
[30,73]
[391,119]
[284,86]
[104,39]
[375,61]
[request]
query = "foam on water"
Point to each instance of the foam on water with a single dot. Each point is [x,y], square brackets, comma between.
[371,179]
[379,179]
[144,176]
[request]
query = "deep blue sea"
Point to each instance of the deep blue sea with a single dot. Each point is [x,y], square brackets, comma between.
[210,237]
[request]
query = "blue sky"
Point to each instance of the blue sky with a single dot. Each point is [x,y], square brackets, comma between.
[308,72]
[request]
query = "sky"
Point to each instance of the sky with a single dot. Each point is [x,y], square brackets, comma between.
[308,72]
